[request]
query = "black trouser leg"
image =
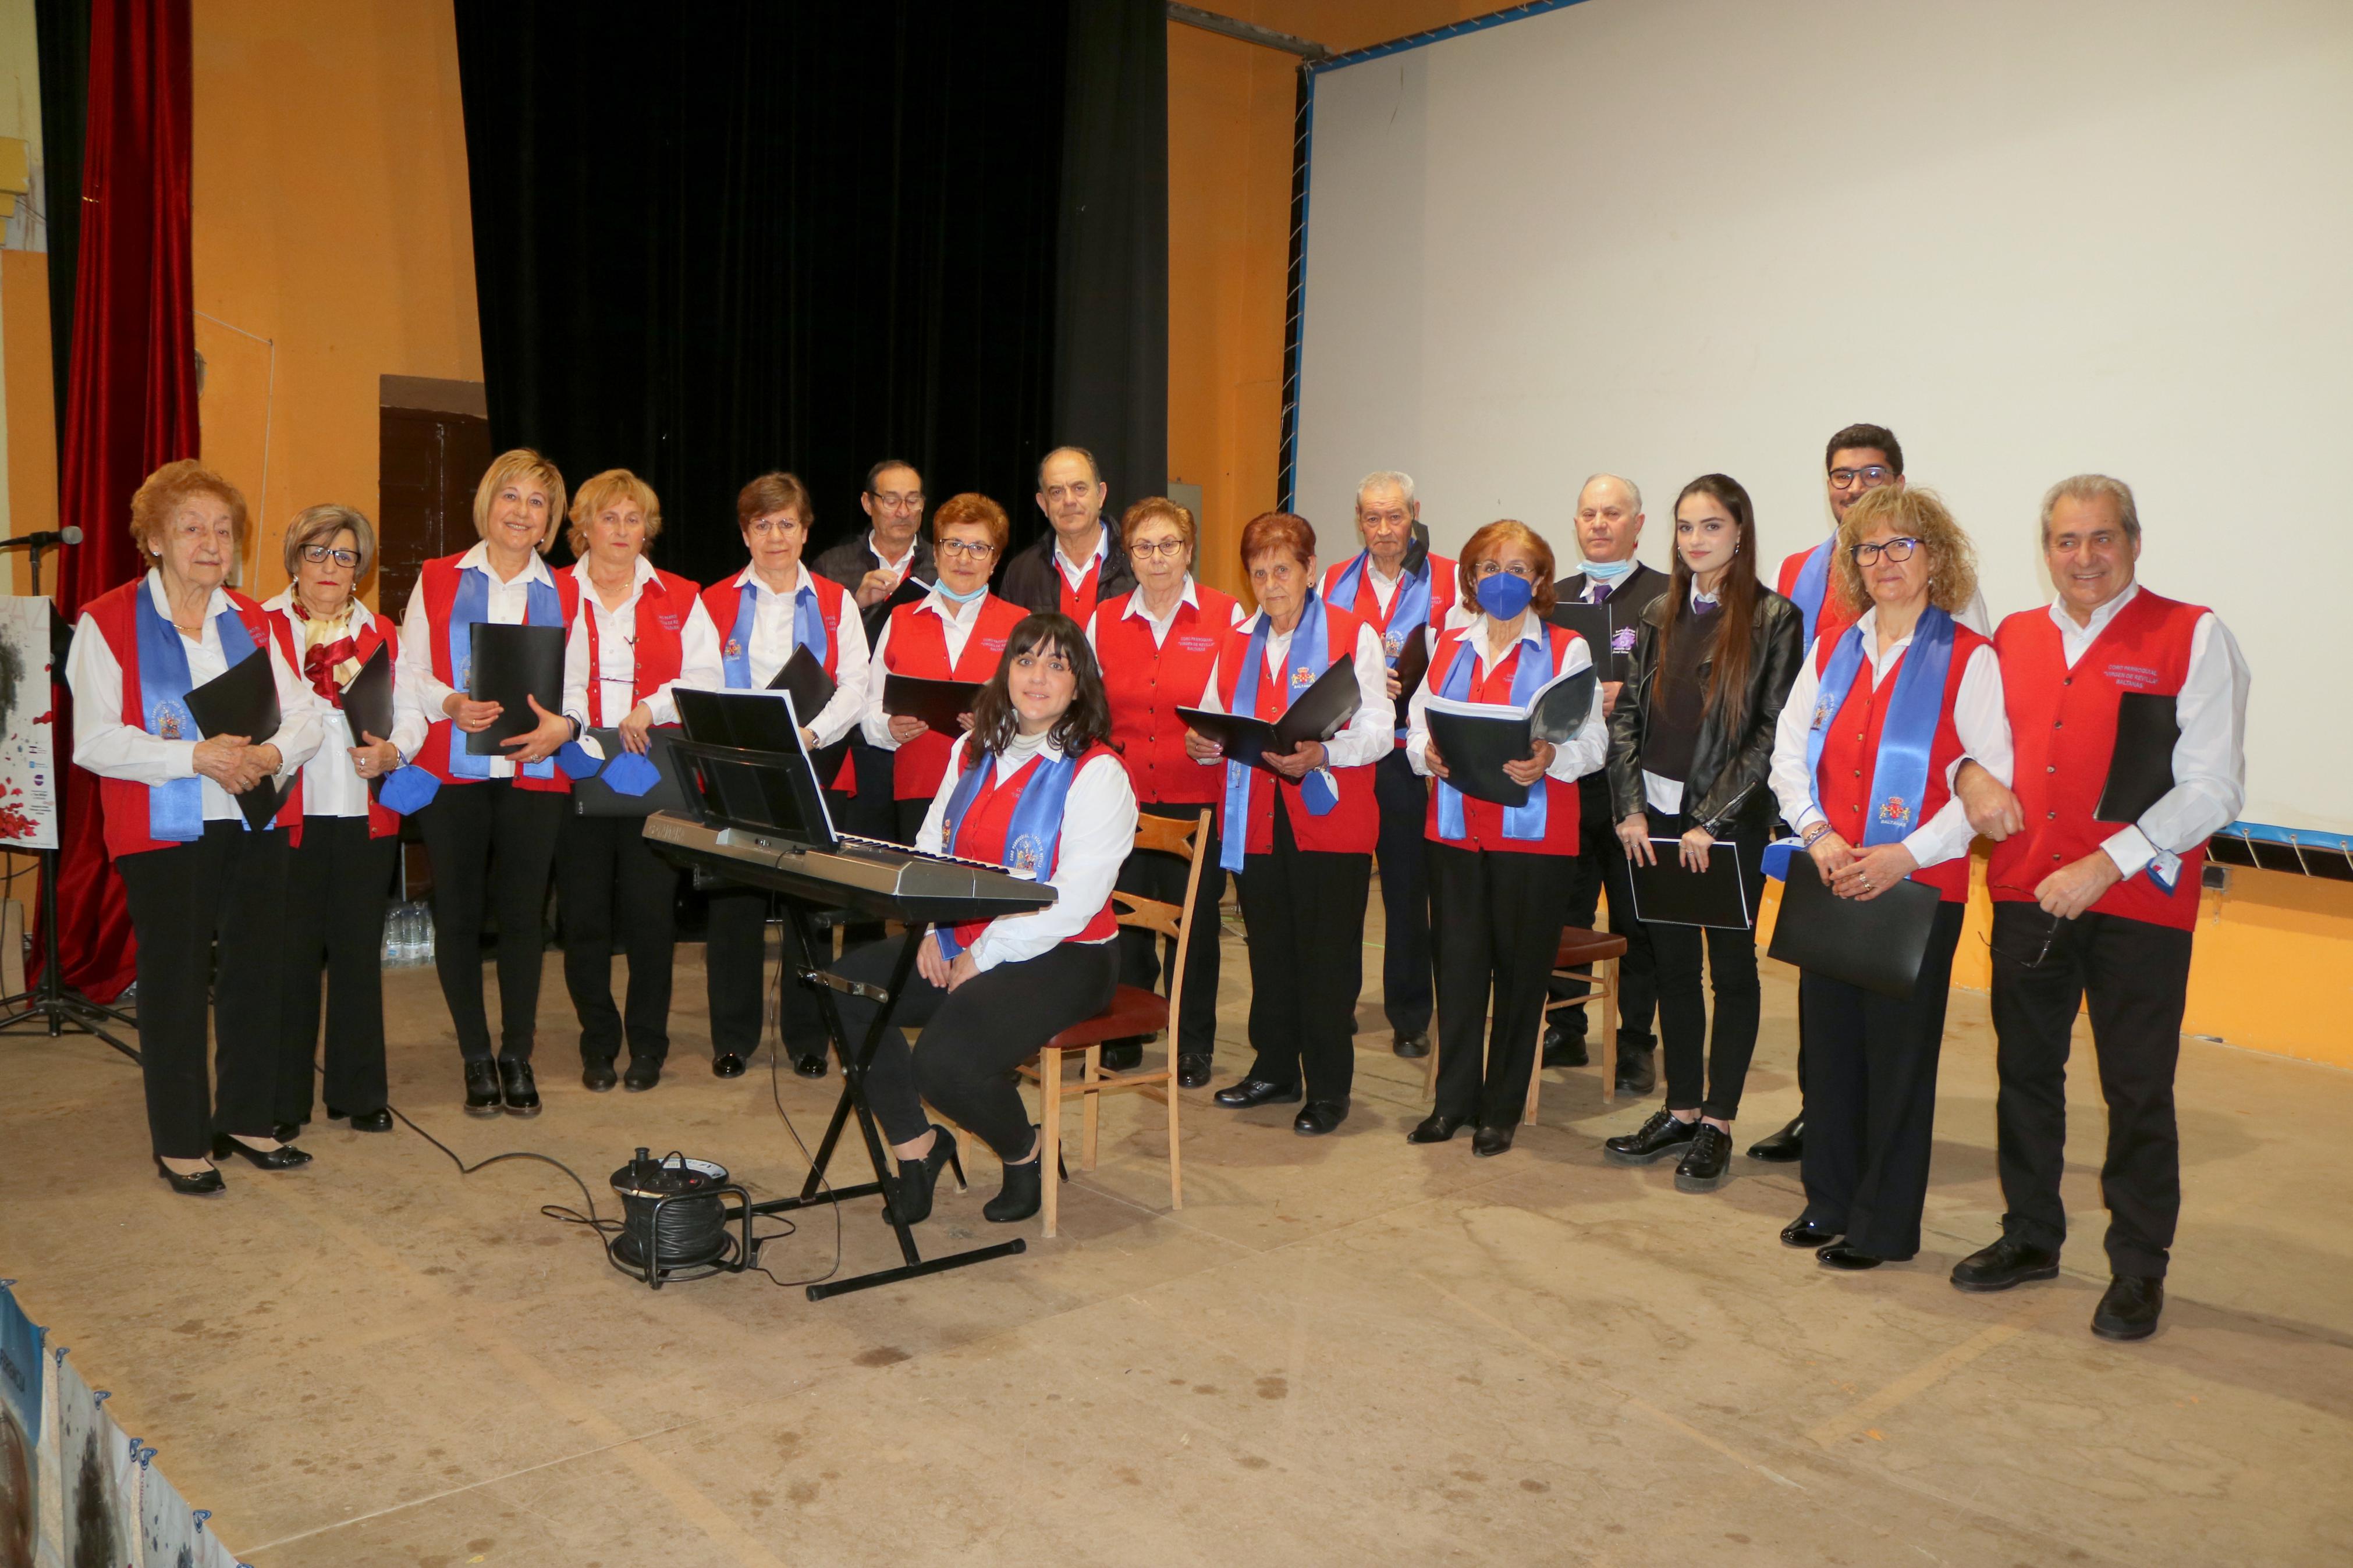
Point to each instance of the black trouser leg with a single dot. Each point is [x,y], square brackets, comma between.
[2137,979]
[910,817]
[1493,936]
[337,884]
[1836,1120]
[649,888]
[1584,901]
[2034,1013]
[1307,968]
[248,933]
[872,812]
[1637,987]
[1732,977]
[1403,798]
[734,964]
[1731,1041]
[1162,876]
[586,878]
[462,827]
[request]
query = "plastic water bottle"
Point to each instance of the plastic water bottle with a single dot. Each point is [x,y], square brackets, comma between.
[421,951]
[392,958]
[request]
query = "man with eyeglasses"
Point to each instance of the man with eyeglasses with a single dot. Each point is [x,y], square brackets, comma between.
[1080,563]
[874,566]
[2094,907]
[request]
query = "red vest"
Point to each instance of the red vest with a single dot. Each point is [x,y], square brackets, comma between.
[382,823]
[438,580]
[1351,826]
[1146,683]
[1482,820]
[723,601]
[2063,728]
[1835,615]
[919,646]
[661,647]
[1078,603]
[115,612]
[980,836]
[1368,607]
[1851,752]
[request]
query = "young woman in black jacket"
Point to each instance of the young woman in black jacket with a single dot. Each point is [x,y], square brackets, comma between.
[1691,744]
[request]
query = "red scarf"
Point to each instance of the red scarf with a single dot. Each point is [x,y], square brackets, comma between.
[320,659]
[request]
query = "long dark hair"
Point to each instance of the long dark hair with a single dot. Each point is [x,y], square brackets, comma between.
[1736,597]
[1087,721]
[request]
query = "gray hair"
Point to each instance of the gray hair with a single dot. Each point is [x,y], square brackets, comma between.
[1633,491]
[319,525]
[2087,487]
[1386,478]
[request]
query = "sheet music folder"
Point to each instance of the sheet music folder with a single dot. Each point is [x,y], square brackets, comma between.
[1323,710]
[2140,770]
[938,703]
[1877,946]
[243,700]
[509,664]
[1668,894]
[1477,739]
[806,678]
[367,700]
[743,765]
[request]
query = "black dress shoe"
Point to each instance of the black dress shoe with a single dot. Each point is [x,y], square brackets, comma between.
[1783,1148]
[727,1064]
[517,1087]
[377,1120]
[1023,1193]
[643,1074]
[597,1076]
[285,1157]
[1492,1140]
[287,1131]
[2007,1262]
[1656,1139]
[1840,1255]
[1704,1164]
[2129,1310]
[1255,1091]
[1318,1117]
[483,1087]
[917,1178]
[199,1184]
[1411,1044]
[1124,1056]
[1565,1047]
[1803,1232]
[1435,1128]
[1638,1075]
[1192,1072]
[809,1067]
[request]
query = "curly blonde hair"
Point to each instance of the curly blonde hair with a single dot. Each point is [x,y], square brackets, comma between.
[1915,513]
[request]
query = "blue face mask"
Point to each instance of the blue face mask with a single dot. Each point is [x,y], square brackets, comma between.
[1608,570]
[952,596]
[1503,595]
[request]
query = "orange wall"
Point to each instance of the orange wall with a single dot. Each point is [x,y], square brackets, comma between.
[32,453]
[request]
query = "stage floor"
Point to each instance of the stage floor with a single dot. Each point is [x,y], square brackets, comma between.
[1342,1350]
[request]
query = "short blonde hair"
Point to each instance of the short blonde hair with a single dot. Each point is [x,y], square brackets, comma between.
[1921,514]
[319,525]
[601,490]
[1158,508]
[172,487]
[521,465]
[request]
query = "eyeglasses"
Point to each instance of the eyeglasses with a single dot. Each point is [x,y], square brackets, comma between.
[2035,950]
[892,500]
[315,554]
[966,549]
[1486,569]
[1844,479]
[1894,549]
[1157,549]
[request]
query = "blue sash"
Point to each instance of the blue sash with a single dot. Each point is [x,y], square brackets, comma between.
[1409,612]
[472,605]
[175,811]
[1309,656]
[1812,586]
[1033,839]
[1899,775]
[809,631]
[1523,821]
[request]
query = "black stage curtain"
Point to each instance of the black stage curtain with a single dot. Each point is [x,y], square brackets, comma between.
[716,239]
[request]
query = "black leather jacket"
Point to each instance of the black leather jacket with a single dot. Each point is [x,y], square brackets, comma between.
[1723,764]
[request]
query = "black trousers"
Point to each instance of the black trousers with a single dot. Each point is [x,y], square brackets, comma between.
[338,882]
[1599,864]
[462,826]
[870,812]
[909,820]
[2135,976]
[1305,912]
[218,899]
[1403,797]
[735,968]
[1871,1103]
[1494,936]
[608,879]
[1705,1073]
[1162,876]
[974,1037]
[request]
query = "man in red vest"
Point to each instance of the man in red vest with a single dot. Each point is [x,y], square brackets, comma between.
[2087,907]
[1080,563]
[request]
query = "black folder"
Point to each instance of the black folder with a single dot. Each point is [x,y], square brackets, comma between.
[1477,744]
[367,700]
[1412,664]
[592,796]
[507,664]
[1323,710]
[243,700]
[2140,770]
[1877,946]
[1591,622]
[1667,894]
[806,678]
[751,720]
[938,703]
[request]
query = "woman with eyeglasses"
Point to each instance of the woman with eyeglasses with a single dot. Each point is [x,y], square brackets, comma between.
[1157,644]
[955,632]
[1882,715]
[1498,875]
[344,841]
[1689,744]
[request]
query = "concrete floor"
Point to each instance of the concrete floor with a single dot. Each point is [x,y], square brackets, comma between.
[1340,1350]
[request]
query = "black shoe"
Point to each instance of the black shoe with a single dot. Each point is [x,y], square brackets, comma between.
[1785,1147]
[1411,1044]
[727,1064]
[1124,1056]
[1803,1232]
[285,1157]
[643,1074]
[1638,1075]
[1491,1140]
[2129,1310]
[1024,1192]
[377,1120]
[1435,1128]
[483,1087]
[1661,1135]
[598,1075]
[1842,1256]
[1318,1117]
[1255,1091]
[1702,1168]
[1565,1047]
[2007,1262]
[1192,1072]
[808,1067]
[286,1132]
[912,1201]
[201,1184]
[516,1088]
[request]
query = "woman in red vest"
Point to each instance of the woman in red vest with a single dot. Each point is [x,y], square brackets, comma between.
[464,804]
[1157,644]
[637,632]
[206,892]
[1033,787]
[344,841]
[1498,875]
[1299,831]
[955,632]
[1883,714]
[765,614]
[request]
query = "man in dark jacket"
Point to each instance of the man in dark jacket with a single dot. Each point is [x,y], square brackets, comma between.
[874,565]
[1081,561]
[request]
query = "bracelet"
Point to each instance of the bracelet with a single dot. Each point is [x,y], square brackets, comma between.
[1813,834]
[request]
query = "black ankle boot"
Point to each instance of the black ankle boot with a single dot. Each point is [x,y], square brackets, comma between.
[1024,1194]
[917,1178]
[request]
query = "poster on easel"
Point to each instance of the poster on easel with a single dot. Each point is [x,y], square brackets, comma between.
[101,1476]
[28,776]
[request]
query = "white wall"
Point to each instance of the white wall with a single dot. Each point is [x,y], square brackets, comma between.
[1665,237]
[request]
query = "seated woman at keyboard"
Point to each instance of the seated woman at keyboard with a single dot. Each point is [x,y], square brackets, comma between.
[1033,787]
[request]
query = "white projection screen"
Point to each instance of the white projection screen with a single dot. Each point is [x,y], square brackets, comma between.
[1661,238]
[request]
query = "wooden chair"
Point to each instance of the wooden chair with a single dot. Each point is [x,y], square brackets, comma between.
[1134,1011]
[1578,949]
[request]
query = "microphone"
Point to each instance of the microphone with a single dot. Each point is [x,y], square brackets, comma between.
[44,540]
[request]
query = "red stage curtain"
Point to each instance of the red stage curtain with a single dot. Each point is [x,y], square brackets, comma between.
[131,400]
